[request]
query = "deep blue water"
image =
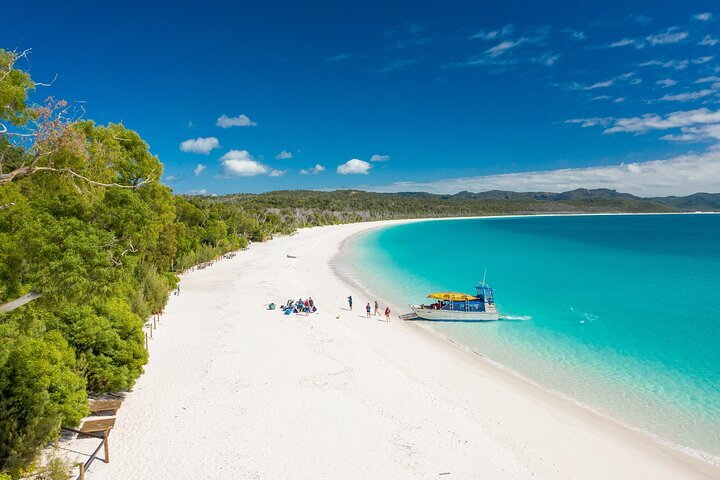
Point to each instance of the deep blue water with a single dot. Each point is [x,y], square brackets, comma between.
[621,313]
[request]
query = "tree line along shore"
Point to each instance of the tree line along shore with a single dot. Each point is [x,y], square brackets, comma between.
[87,228]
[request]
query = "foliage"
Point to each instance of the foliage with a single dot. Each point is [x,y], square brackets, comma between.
[92,230]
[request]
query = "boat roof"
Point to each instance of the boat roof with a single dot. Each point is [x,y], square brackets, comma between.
[452,296]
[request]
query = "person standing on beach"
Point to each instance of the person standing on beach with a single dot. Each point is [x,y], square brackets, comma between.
[350,301]
[367,309]
[387,314]
[377,309]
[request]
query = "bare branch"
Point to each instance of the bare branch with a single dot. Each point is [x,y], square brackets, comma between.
[40,84]
[19,302]
[29,170]
[90,181]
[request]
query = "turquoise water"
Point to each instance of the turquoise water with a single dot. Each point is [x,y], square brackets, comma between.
[620,313]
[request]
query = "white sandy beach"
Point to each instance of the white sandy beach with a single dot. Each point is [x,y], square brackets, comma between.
[235,391]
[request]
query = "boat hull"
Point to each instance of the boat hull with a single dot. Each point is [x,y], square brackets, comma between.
[454,315]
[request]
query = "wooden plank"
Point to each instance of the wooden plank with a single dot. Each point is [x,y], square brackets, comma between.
[105,405]
[98,425]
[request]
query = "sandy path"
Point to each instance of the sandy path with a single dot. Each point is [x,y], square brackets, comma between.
[235,391]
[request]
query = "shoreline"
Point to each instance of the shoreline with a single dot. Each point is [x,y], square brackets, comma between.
[233,390]
[353,281]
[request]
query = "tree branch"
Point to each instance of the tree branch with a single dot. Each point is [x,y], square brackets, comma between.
[29,170]
[19,302]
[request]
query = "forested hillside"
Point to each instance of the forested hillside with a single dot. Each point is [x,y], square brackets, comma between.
[296,208]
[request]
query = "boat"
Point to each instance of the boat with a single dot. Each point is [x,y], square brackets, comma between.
[460,307]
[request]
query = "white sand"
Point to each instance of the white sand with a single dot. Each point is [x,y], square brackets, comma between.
[235,391]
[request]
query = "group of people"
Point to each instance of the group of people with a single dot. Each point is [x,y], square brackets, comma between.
[300,306]
[369,309]
[308,306]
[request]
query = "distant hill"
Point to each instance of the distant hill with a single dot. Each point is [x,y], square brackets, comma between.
[705,202]
[310,207]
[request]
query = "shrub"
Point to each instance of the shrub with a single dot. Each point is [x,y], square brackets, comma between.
[40,389]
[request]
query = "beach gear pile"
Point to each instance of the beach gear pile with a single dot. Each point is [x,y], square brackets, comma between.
[306,306]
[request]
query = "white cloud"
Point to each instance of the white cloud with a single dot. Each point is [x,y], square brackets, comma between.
[627,78]
[548,59]
[592,122]
[199,169]
[314,170]
[671,35]
[575,34]
[504,32]
[277,173]
[200,145]
[694,125]
[605,84]
[688,96]
[625,42]
[284,155]
[354,167]
[241,120]
[675,176]
[241,164]
[198,192]
[696,134]
[667,82]
[703,17]
[504,46]
[379,158]
[676,64]
[709,41]
[483,34]
[713,79]
[677,119]
[170,178]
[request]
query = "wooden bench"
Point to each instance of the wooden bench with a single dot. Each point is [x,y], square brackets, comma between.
[97,406]
[103,425]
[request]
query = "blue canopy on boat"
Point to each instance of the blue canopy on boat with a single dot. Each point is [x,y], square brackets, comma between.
[485,292]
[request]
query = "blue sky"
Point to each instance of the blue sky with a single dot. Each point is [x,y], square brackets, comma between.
[444,96]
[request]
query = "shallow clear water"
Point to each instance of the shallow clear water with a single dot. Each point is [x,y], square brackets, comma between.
[621,313]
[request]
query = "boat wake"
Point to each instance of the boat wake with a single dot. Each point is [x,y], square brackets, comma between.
[515,318]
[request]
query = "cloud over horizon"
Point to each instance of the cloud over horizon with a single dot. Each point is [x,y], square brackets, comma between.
[682,175]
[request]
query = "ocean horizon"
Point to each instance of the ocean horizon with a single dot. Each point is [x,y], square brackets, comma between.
[617,313]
